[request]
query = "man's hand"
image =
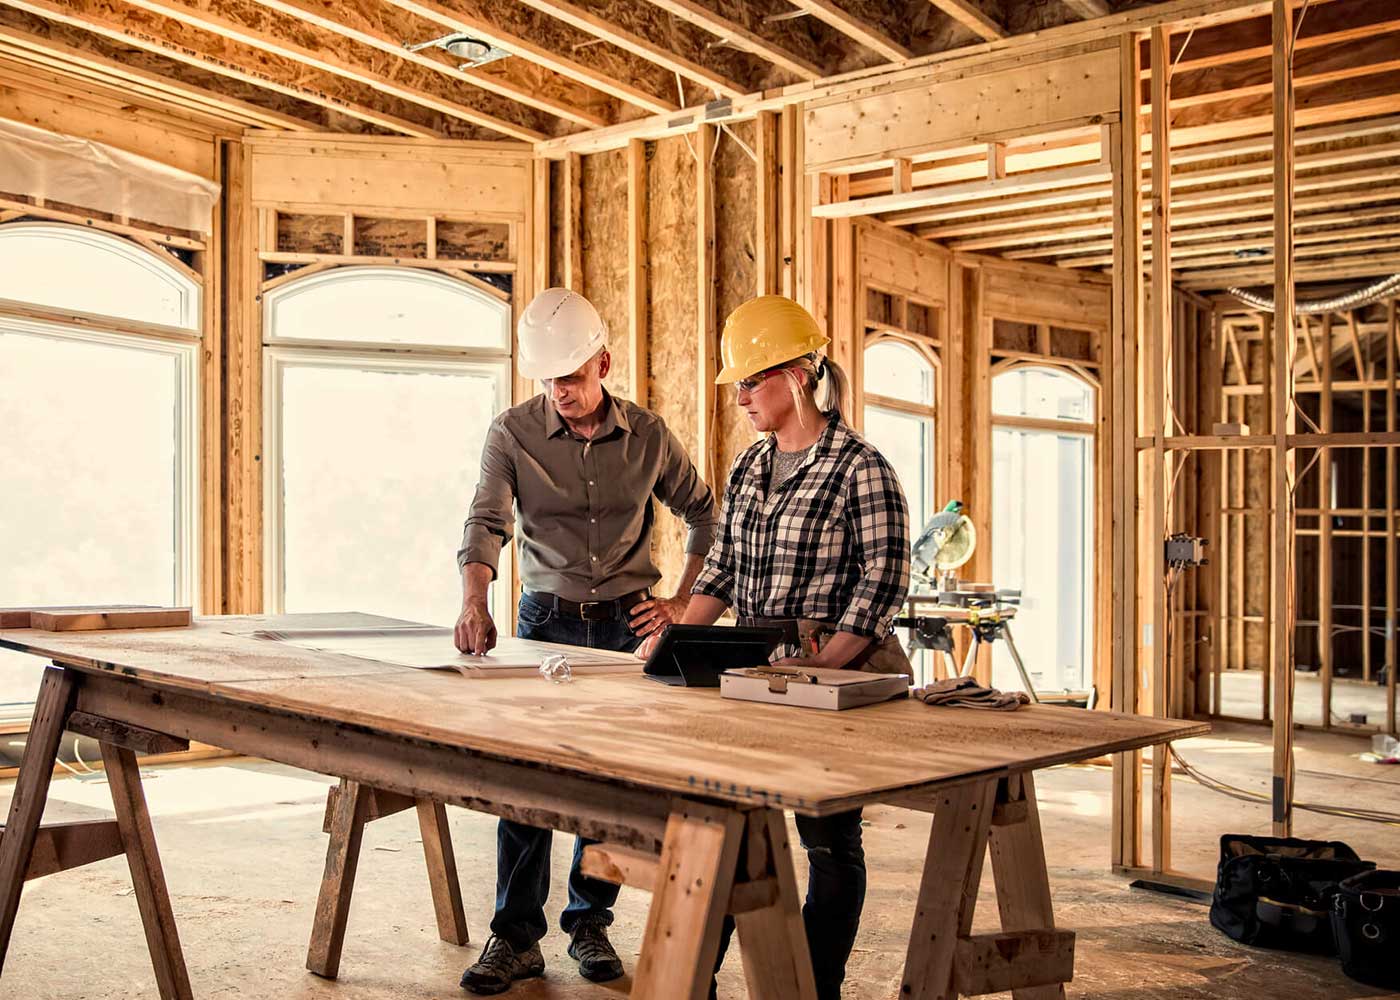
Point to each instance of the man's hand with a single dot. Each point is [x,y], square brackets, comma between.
[650,617]
[475,632]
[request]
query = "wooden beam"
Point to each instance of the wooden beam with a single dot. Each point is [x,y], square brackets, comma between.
[971,191]
[856,28]
[226,59]
[573,222]
[1282,542]
[387,29]
[1120,366]
[973,18]
[407,83]
[1157,526]
[638,271]
[740,37]
[1392,564]
[1184,15]
[62,847]
[471,19]
[767,194]
[1089,9]
[1368,51]
[706,339]
[164,88]
[629,41]
[1341,268]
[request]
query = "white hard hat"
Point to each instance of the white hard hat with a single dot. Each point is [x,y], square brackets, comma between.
[558,331]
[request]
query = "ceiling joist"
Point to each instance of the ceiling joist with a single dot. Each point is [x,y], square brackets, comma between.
[390,30]
[856,28]
[737,35]
[504,26]
[409,82]
[48,52]
[218,56]
[972,17]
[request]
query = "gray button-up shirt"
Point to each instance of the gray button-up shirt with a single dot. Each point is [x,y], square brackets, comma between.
[585,506]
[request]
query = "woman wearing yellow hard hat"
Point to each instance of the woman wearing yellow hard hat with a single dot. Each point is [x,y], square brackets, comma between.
[813,539]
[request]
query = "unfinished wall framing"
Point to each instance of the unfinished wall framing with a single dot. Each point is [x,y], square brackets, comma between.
[300,206]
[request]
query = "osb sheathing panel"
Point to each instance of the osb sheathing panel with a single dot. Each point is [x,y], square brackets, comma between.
[604,223]
[736,276]
[671,240]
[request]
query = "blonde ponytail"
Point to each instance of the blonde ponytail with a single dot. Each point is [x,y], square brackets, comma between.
[833,389]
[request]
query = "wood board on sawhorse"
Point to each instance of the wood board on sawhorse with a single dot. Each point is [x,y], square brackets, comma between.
[675,774]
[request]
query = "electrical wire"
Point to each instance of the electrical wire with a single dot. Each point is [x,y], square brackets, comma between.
[1234,792]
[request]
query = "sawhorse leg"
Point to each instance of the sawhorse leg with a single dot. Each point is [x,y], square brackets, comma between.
[69,845]
[715,861]
[348,808]
[1030,957]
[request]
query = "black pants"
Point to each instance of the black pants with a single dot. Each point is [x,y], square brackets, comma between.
[835,897]
[523,852]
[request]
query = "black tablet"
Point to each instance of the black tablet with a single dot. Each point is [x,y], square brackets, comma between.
[695,655]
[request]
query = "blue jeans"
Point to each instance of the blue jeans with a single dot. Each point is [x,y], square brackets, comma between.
[523,852]
[835,897]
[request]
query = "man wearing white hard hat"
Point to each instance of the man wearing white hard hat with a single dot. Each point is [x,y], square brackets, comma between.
[579,469]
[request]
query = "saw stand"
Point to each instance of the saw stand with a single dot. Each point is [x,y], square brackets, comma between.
[929,618]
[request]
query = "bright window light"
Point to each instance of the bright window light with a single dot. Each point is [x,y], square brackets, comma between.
[1042,527]
[372,459]
[386,305]
[1042,393]
[65,267]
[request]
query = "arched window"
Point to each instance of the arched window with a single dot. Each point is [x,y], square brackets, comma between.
[371,443]
[99,428]
[898,385]
[1042,522]
[84,270]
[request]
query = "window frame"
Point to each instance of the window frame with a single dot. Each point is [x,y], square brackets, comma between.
[168,268]
[1084,429]
[186,526]
[924,411]
[280,354]
[296,284]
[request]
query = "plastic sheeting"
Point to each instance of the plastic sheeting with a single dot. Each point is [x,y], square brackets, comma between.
[102,178]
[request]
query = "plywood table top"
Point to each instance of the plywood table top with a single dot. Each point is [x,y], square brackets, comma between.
[626,728]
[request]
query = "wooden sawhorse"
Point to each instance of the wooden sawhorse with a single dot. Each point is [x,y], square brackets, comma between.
[31,850]
[349,806]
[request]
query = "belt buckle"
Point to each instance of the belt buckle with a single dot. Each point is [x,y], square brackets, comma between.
[587,611]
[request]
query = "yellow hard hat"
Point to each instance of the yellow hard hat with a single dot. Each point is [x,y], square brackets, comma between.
[764,332]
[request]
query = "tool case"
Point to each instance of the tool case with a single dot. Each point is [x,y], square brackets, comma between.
[812,687]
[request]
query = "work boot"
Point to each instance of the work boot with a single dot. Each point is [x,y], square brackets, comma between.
[500,965]
[597,961]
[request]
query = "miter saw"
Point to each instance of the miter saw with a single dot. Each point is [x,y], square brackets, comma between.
[947,543]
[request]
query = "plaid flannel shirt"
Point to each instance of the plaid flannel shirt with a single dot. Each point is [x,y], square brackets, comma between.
[830,544]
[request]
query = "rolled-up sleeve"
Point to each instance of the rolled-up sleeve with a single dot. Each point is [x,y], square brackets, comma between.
[716,579]
[491,521]
[681,488]
[877,517]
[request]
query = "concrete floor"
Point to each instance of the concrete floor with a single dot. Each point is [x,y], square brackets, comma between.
[243,851]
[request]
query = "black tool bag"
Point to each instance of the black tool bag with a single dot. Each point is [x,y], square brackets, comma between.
[1274,892]
[1366,924]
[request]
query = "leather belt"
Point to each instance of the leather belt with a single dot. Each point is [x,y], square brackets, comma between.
[591,611]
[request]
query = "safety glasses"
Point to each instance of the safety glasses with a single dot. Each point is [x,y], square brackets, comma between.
[754,381]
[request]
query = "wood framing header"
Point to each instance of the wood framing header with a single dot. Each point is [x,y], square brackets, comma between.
[402,175]
[1044,93]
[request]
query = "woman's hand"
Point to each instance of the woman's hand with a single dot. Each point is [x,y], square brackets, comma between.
[644,650]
